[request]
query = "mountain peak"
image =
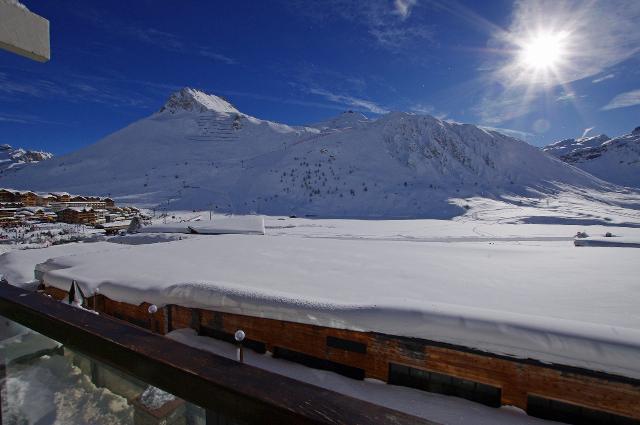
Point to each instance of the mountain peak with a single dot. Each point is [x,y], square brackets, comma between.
[614,160]
[12,159]
[192,100]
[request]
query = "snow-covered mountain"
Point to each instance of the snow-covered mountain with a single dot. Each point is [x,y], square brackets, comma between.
[616,160]
[12,159]
[198,151]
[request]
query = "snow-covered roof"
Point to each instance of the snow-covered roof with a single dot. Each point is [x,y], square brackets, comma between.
[219,225]
[78,209]
[119,224]
[17,192]
[543,302]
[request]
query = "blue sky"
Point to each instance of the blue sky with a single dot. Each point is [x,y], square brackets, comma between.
[301,62]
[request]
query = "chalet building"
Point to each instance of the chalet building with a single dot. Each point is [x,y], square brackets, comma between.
[44,200]
[9,222]
[8,195]
[25,197]
[101,215]
[82,209]
[8,217]
[28,198]
[58,205]
[61,196]
[74,215]
[11,205]
[42,214]
[8,212]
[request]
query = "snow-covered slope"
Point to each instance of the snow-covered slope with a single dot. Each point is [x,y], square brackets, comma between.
[616,160]
[199,151]
[11,159]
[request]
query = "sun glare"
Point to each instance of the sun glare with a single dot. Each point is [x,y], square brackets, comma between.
[543,51]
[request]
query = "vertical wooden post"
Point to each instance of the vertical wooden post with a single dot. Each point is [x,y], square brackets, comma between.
[196,320]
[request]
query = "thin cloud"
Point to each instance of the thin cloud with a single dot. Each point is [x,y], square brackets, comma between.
[403,7]
[76,89]
[27,119]
[566,97]
[349,101]
[601,79]
[152,36]
[5,118]
[569,97]
[155,37]
[217,56]
[623,100]
[421,108]
[174,43]
[522,135]
[395,37]
[391,24]
[305,75]
[277,99]
[587,131]
[504,106]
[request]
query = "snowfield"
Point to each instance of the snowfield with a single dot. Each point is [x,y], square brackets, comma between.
[520,290]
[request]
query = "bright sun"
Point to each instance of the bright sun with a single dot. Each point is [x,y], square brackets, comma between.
[544,50]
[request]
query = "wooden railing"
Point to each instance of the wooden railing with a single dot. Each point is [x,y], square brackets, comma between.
[237,391]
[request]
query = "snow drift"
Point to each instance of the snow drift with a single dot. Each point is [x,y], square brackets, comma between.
[543,302]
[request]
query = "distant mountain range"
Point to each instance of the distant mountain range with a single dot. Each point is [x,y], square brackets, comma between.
[615,160]
[12,159]
[198,151]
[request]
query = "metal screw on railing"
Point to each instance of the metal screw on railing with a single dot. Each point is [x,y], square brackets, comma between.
[239,336]
[153,309]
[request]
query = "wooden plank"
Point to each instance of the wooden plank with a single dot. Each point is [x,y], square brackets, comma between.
[24,33]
